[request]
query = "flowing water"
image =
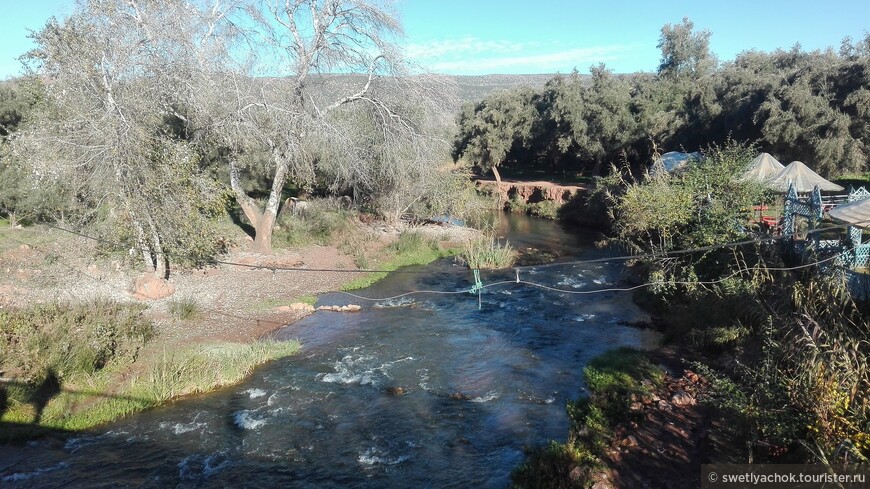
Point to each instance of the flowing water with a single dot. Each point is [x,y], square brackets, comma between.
[426,390]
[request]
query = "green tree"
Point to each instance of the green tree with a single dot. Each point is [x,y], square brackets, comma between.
[817,113]
[702,206]
[490,131]
[685,53]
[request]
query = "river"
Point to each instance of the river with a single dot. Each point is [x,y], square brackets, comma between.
[427,390]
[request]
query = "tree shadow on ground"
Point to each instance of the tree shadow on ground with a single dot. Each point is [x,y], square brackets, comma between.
[47,389]
[235,214]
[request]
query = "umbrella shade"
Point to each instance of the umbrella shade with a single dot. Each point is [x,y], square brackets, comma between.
[802,177]
[854,213]
[762,168]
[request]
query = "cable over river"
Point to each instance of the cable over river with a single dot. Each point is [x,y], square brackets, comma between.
[422,391]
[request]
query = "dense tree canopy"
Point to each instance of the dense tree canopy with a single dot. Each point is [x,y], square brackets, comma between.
[808,106]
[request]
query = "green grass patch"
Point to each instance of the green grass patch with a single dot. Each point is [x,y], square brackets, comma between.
[612,379]
[203,368]
[266,304]
[31,236]
[273,302]
[551,467]
[307,299]
[90,400]
[410,249]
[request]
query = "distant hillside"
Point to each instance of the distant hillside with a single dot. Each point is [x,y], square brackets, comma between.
[476,88]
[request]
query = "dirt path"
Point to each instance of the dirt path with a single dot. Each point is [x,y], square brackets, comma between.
[671,433]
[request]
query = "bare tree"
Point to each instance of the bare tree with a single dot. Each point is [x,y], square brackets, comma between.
[114,72]
[324,91]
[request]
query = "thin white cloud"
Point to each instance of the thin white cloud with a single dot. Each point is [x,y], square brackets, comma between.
[469,55]
[464,46]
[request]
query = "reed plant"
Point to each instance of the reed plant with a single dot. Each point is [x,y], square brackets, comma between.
[200,369]
[487,252]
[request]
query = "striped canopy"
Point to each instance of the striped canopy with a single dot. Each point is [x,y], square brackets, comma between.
[802,177]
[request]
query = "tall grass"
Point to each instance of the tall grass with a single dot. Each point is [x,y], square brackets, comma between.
[487,252]
[200,369]
[322,223]
[77,366]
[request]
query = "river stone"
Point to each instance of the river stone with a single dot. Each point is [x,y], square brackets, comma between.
[301,306]
[576,473]
[682,398]
[602,482]
[148,287]
[629,442]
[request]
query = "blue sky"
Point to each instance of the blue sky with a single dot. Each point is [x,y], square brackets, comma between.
[549,36]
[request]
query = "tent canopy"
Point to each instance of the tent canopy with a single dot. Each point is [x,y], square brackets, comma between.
[762,168]
[674,161]
[802,177]
[854,213]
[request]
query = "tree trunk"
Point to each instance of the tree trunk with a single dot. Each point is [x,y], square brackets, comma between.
[497,175]
[263,228]
[263,221]
[143,247]
[161,260]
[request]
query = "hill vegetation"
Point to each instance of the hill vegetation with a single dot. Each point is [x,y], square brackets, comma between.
[808,106]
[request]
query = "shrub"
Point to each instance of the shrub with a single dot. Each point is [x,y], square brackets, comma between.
[184,308]
[70,339]
[547,209]
[554,466]
[322,223]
